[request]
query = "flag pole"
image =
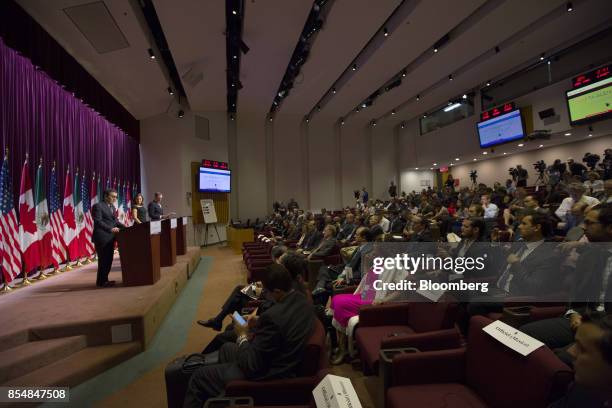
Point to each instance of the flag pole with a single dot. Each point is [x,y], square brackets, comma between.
[67,266]
[78,262]
[6,288]
[56,269]
[93,177]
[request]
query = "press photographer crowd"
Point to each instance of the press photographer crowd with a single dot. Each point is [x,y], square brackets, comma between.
[546,249]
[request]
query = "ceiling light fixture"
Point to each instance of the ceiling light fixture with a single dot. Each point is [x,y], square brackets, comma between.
[542,57]
[475,159]
[334,91]
[450,77]
[464,96]
[456,159]
[151,53]
[435,50]
[393,112]
[570,7]
[568,134]
[385,32]
[485,153]
[435,164]
[170,91]
[452,107]
[404,74]
[181,113]
[590,135]
[418,97]
[354,67]
[488,83]
[521,144]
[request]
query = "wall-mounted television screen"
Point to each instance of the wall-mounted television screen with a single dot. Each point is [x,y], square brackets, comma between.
[502,129]
[591,98]
[214,180]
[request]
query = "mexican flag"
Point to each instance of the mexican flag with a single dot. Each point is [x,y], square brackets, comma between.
[43,221]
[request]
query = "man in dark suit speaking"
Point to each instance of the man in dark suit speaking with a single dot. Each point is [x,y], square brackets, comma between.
[106,227]
[156,211]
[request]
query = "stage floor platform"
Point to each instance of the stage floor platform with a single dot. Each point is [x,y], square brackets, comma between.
[64,330]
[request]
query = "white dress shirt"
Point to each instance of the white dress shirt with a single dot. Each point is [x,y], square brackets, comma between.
[491,211]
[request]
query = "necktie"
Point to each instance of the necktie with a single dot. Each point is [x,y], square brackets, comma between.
[506,278]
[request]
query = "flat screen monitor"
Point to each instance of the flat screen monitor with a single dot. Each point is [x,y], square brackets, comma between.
[214,180]
[502,129]
[591,102]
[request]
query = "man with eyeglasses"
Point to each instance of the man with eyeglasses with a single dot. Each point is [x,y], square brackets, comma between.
[106,227]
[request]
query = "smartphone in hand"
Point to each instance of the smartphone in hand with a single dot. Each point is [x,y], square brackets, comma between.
[239,319]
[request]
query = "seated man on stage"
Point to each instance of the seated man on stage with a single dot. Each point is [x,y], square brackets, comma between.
[106,227]
[274,351]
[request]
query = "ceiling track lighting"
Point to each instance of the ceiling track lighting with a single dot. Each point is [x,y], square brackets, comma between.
[151,53]
[354,67]
[170,91]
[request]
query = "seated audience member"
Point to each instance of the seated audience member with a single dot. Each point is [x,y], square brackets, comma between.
[333,276]
[490,210]
[590,290]
[383,222]
[419,231]
[577,194]
[592,355]
[312,239]
[274,350]
[347,230]
[345,306]
[476,210]
[594,185]
[238,300]
[607,191]
[532,268]
[327,244]
[399,221]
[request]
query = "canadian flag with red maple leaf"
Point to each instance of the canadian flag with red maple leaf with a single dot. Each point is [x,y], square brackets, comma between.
[28,231]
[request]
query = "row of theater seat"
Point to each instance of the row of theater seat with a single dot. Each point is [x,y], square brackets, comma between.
[426,361]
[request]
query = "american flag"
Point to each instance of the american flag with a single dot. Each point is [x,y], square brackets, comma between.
[10,253]
[57,222]
[88,221]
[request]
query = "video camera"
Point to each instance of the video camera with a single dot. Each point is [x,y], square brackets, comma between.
[540,166]
[513,172]
[473,176]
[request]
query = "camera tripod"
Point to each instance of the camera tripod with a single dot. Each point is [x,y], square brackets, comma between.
[542,180]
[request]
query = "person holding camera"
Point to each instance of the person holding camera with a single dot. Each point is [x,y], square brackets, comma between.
[521,176]
[575,169]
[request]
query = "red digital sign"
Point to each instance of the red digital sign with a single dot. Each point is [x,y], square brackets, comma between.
[591,77]
[213,164]
[497,111]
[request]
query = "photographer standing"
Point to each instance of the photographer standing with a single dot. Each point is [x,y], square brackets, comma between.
[521,176]
[575,169]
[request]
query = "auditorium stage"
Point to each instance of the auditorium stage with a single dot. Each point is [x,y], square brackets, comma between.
[64,330]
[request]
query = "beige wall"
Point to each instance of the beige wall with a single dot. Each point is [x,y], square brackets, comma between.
[320,164]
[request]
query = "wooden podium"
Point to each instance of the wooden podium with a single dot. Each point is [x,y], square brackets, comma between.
[139,253]
[167,245]
[181,235]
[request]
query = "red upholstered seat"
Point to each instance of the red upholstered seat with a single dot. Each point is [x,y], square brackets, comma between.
[484,373]
[423,325]
[433,395]
[290,391]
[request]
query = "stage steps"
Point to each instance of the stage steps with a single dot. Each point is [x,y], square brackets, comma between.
[78,366]
[33,355]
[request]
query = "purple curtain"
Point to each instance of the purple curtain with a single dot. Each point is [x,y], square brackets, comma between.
[41,118]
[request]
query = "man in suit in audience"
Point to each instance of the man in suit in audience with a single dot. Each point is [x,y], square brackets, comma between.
[398,223]
[591,287]
[347,229]
[532,269]
[314,238]
[274,351]
[106,227]
[327,244]
[156,212]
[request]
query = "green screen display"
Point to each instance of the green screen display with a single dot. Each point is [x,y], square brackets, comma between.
[590,102]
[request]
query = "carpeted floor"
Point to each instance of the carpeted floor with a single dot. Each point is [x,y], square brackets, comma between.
[139,382]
